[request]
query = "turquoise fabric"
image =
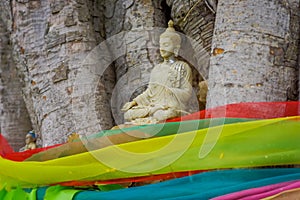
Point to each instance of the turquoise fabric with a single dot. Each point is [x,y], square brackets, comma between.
[200,186]
[164,129]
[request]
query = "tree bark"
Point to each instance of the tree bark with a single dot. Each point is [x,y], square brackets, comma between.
[140,51]
[254,52]
[14,119]
[51,40]
[196,19]
[254,47]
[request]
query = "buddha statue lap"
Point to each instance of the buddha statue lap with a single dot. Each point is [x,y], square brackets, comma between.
[169,88]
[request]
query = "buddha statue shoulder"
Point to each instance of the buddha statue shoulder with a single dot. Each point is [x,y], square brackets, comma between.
[169,88]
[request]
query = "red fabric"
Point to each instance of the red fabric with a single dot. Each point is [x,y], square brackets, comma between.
[258,110]
[20,156]
[161,177]
[5,148]
[8,153]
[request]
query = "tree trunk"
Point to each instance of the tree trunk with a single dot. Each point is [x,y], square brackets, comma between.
[196,19]
[51,41]
[135,54]
[299,60]
[254,52]
[14,119]
[70,85]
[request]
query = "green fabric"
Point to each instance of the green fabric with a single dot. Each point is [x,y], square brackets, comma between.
[32,195]
[14,194]
[59,192]
[124,135]
[164,129]
[110,187]
[3,193]
[247,144]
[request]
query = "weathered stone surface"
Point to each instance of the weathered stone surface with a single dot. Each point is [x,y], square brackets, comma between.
[83,13]
[127,3]
[196,20]
[22,1]
[54,38]
[34,4]
[75,36]
[70,21]
[56,6]
[61,73]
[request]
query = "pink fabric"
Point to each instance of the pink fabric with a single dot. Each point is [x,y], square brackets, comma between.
[261,192]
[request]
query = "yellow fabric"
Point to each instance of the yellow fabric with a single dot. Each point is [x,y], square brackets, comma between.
[248,144]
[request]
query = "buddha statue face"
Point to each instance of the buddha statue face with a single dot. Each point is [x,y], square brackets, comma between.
[30,137]
[169,42]
[166,47]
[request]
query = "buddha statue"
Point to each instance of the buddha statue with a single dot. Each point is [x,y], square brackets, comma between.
[30,140]
[169,88]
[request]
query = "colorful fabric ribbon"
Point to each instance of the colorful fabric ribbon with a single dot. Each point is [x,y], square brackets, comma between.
[112,137]
[261,192]
[164,150]
[5,148]
[247,144]
[220,184]
[258,110]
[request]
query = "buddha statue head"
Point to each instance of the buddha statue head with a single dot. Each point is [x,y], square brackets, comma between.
[169,42]
[30,137]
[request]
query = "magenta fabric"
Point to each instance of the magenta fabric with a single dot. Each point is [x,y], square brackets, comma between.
[261,192]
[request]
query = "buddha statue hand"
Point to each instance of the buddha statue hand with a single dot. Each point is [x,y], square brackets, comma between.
[154,108]
[128,105]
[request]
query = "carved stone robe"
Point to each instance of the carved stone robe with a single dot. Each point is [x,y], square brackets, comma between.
[167,95]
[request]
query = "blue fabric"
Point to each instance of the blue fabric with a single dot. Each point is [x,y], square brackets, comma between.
[41,193]
[200,186]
